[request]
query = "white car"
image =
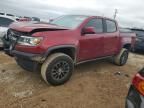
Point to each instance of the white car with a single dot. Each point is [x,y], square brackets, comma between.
[5,21]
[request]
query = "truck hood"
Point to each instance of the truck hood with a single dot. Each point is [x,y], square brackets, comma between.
[35,26]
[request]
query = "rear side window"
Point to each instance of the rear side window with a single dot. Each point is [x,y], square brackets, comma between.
[5,22]
[111,26]
[97,24]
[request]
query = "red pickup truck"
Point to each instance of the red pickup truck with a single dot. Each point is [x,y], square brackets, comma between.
[55,48]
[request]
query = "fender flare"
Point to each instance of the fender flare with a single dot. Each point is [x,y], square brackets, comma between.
[50,49]
[126,45]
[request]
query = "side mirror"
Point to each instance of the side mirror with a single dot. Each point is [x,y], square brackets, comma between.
[89,30]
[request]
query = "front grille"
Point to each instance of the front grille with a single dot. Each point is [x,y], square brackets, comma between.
[11,39]
[11,35]
[16,34]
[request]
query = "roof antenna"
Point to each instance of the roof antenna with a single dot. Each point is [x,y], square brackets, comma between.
[115,14]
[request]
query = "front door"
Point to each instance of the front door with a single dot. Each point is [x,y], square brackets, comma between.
[91,45]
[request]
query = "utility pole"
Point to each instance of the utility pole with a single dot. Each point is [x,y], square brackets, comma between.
[115,14]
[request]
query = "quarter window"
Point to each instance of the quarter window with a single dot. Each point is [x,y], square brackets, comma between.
[111,26]
[97,24]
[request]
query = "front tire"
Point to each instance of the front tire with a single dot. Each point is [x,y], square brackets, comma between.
[57,69]
[122,57]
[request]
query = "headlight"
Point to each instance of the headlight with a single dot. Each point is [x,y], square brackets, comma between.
[29,41]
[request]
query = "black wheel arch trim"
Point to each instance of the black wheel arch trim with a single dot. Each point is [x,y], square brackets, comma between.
[127,46]
[50,49]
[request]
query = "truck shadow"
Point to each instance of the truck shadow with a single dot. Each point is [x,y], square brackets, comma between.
[93,66]
[1,49]
[139,52]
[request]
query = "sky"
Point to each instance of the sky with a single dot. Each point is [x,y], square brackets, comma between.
[130,12]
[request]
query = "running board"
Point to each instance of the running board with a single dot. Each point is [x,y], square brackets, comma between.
[92,60]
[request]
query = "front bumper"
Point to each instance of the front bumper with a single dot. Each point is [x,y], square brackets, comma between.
[29,62]
[134,99]
[28,56]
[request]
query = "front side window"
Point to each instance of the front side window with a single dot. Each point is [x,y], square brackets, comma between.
[97,24]
[111,26]
[70,21]
[5,22]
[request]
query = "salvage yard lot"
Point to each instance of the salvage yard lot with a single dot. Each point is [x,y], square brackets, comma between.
[93,85]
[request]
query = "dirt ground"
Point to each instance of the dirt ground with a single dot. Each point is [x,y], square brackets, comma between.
[93,85]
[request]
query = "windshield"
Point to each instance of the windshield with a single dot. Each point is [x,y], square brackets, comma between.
[70,21]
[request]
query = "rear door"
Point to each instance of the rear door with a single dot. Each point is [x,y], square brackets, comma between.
[91,45]
[111,37]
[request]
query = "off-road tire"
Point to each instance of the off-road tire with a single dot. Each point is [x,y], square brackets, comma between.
[122,57]
[49,65]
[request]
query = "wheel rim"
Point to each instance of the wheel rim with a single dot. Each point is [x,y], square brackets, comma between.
[60,70]
[124,58]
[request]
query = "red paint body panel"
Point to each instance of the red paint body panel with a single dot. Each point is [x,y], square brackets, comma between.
[24,19]
[88,46]
[111,43]
[91,46]
[128,38]
[30,26]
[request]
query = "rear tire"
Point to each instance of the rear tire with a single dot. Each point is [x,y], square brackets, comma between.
[122,57]
[57,69]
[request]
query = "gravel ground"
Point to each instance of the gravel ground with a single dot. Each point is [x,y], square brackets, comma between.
[93,85]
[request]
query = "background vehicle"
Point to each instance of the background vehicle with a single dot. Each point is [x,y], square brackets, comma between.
[139,39]
[35,19]
[23,19]
[5,21]
[27,19]
[67,41]
[135,98]
[6,14]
